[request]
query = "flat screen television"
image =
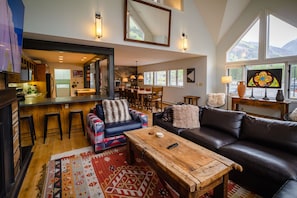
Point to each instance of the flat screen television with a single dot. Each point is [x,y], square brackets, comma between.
[267,78]
[11,35]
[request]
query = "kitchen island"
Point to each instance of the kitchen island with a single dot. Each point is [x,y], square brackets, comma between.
[38,106]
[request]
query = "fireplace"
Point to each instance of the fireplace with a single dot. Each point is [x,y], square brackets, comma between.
[14,159]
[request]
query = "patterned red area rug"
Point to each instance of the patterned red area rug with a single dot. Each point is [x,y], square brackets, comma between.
[82,173]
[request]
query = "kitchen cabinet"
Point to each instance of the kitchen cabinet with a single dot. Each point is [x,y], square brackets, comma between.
[39,72]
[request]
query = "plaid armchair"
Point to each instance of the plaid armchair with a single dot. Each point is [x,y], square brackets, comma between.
[107,122]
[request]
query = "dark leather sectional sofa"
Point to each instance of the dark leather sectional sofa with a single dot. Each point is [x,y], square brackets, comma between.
[266,148]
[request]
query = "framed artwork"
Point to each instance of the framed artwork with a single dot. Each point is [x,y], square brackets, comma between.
[77,73]
[191,75]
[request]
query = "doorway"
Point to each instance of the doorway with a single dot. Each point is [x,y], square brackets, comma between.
[62,82]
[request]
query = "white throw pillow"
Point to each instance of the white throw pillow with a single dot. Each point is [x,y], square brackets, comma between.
[293,115]
[116,110]
[186,116]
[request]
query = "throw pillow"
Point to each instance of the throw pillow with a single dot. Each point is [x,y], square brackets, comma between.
[293,115]
[186,116]
[168,114]
[99,112]
[116,110]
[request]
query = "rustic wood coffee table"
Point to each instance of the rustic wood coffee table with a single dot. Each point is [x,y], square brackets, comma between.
[188,168]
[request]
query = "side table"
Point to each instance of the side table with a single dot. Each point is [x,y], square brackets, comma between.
[193,100]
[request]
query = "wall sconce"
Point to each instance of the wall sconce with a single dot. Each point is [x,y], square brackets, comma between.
[184,41]
[98,25]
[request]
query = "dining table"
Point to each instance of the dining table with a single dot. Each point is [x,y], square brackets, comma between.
[142,94]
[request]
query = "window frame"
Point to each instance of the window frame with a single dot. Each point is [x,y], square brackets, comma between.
[177,81]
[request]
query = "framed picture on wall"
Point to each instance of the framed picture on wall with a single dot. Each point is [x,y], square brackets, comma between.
[191,75]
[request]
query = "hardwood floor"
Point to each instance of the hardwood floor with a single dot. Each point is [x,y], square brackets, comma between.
[43,152]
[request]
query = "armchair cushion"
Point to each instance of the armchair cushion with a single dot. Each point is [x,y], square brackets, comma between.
[116,110]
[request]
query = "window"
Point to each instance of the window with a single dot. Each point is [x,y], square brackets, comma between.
[293,81]
[148,78]
[160,78]
[176,78]
[237,75]
[282,38]
[248,46]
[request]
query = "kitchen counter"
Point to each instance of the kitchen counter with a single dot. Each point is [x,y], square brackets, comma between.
[39,106]
[36,101]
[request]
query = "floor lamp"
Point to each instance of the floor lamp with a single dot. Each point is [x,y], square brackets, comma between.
[226,80]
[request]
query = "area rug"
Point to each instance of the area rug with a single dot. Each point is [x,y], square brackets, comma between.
[81,173]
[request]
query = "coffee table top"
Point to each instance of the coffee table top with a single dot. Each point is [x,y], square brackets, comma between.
[193,165]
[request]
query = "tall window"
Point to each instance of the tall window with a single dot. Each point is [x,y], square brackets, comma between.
[282,38]
[160,78]
[248,46]
[293,81]
[148,78]
[176,78]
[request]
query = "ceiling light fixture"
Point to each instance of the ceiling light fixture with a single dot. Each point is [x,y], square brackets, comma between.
[98,25]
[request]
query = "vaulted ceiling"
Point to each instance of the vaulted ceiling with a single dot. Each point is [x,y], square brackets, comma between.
[219,15]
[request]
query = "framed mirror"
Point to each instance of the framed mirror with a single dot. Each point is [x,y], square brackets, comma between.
[147,23]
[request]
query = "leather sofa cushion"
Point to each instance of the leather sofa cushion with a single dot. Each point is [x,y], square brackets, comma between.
[272,133]
[117,128]
[208,137]
[261,160]
[288,190]
[99,112]
[223,120]
[167,125]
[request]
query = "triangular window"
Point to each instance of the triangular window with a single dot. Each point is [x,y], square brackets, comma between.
[282,38]
[247,48]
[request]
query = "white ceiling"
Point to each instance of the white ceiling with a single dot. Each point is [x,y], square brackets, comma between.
[218,15]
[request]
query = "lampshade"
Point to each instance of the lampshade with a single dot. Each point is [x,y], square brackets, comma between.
[226,79]
[140,77]
[125,80]
[132,77]
[98,25]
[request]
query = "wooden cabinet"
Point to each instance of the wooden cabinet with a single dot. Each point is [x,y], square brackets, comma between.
[87,73]
[39,72]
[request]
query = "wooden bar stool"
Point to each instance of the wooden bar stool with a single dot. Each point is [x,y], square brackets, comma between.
[46,116]
[71,113]
[29,118]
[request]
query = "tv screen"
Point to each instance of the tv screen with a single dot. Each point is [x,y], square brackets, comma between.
[11,35]
[269,78]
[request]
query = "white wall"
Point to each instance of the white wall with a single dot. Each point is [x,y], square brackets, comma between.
[173,94]
[74,19]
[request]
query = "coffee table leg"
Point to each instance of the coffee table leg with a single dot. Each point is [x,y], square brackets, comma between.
[130,153]
[222,189]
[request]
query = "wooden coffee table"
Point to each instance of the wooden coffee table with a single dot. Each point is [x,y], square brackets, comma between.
[190,169]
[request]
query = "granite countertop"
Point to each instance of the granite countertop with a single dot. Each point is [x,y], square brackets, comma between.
[35,101]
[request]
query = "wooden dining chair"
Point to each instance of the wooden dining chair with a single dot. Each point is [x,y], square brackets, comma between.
[155,100]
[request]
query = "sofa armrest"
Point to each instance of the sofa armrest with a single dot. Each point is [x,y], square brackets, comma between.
[95,123]
[157,115]
[139,116]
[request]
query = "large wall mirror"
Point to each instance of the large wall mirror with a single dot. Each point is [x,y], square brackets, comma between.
[147,23]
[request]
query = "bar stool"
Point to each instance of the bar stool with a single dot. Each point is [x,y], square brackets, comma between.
[46,116]
[29,118]
[71,113]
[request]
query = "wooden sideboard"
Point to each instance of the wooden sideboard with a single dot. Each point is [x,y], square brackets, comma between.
[283,107]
